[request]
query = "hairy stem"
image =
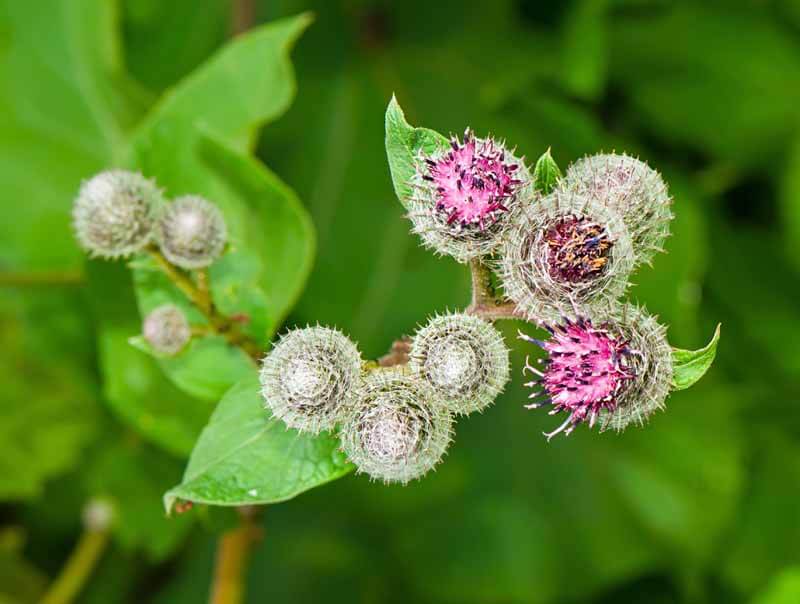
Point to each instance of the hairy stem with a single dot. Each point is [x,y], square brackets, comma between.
[233,554]
[485,301]
[82,561]
[199,294]
[398,354]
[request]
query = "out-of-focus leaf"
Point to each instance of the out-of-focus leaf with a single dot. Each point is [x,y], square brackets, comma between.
[133,477]
[693,83]
[784,588]
[546,174]
[244,456]
[404,144]
[20,581]
[66,104]
[688,366]
[763,539]
[194,141]
[48,407]
[164,41]
[585,48]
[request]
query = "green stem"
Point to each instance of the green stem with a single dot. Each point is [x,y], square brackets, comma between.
[199,294]
[485,302]
[43,279]
[233,555]
[84,557]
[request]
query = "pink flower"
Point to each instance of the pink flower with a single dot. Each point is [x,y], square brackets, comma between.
[472,181]
[587,371]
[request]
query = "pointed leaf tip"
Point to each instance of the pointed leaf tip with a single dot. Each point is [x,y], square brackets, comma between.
[688,366]
[404,143]
[546,174]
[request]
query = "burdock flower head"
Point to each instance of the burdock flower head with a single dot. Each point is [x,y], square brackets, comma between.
[166,329]
[616,372]
[631,188]
[465,196]
[398,429]
[113,214]
[563,250]
[309,378]
[191,232]
[464,358]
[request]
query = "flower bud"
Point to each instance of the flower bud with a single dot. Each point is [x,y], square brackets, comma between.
[615,373]
[166,330]
[562,251]
[113,213]
[397,430]
[632,189]
[464,358]
[309,378]
[191,232]
[465,196]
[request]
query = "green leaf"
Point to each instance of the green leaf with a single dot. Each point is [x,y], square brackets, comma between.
[784,588]
[49,408]
[244,456]
[196,141]
[688,366]
[403,144]
[66,105]
[546,174]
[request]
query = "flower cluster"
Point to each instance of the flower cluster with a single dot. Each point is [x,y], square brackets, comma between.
[564,258]
[395,422]
[119,213]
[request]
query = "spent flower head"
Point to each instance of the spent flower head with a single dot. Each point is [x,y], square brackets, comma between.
[309,378]
[191,232]
[464,358]
[632,189]
[614,372]
[397,429]
[465,196]
[563,250]
[113,214]
[166,329]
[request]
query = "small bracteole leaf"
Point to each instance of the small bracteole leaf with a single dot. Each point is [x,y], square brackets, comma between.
[546,173]
[403,145]
[690,365]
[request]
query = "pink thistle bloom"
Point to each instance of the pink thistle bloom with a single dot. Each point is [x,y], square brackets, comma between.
[473,181]
[587,371]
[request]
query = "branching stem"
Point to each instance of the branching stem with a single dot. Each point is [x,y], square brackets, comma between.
[198,293]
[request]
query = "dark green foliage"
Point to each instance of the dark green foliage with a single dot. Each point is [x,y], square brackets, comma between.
[700,507]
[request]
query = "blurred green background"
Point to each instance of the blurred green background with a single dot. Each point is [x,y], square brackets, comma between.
[701,506]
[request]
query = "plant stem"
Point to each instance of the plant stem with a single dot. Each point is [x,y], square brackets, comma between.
[199,294]
[43,279]
[233,554]
[398,354]
[84,557]
[243,15]
[485,302]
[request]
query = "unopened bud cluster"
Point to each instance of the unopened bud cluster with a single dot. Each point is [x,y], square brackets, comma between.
[118,213]
[395,422]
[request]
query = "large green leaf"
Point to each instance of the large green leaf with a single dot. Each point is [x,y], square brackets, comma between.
[66,104]
[195,141]
[48,404]
[244,456]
